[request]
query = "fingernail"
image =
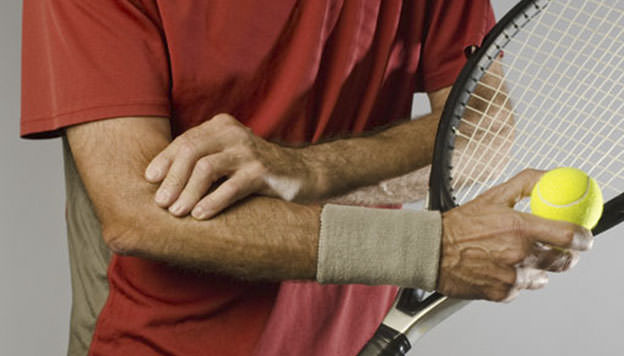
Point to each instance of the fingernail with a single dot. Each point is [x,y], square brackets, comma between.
[540,280]
[152,173]
[583,240]
[176,208]
[540,246]
[162,196]
[561,263]
[511,297]
[199,213]
[573,260]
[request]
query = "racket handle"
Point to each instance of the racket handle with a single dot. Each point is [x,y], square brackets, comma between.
[386,342]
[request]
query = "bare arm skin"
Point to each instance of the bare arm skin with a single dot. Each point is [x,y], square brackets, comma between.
[406,184]
[262,238]
[269,238]
[388,167]
[412,186]
[266,238]
[223,148]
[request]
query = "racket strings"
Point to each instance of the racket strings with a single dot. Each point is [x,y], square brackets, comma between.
[519,86]
[591,132]
[601,4]
[499,91]
[556,146]
[584,94]
[466,176]
[567,86]
[556,104]
[484,115]
[552,146]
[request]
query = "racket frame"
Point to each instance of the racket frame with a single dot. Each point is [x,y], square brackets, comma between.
[478,63]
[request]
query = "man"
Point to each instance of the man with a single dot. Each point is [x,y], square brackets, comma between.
[120,79]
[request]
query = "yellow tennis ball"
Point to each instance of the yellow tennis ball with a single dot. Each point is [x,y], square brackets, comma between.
[568,194]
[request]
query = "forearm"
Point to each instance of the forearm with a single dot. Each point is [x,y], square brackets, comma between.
[260,238]
[409,187]
[393,166]
[346,164]
[263,238]
[269,239]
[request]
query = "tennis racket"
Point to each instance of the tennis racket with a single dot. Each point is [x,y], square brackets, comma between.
[558,101]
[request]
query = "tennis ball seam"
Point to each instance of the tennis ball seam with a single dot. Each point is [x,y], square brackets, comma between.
[577,201]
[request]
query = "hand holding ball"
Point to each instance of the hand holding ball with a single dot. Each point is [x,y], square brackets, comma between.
[568,194]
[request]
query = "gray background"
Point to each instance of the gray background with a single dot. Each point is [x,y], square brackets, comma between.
[579,313]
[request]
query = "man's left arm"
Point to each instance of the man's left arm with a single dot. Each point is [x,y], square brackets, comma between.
[189,167]
[387,167]
[222,147]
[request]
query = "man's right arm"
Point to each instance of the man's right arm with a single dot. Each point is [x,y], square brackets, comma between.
[262,238]
[266,238]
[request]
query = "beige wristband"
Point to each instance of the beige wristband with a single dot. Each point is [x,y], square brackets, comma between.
[379,246]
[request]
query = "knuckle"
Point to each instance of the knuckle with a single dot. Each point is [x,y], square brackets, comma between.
[204,167]
[498,294]
[517,255]
[223,118]
[174,182]
[509,279]
[516,224]
[568,235]
[241,134]
[246,151]
[258,169]
[529,173]
[582,239]
[196,134]
[174,185]
[182,139]
[232,133]
[231,189]
[488,197]
[186,146]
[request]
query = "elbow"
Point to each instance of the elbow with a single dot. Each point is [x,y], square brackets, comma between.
[116,243]
[120,236]
[124,218]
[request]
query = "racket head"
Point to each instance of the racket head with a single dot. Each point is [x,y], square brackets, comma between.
[556,102]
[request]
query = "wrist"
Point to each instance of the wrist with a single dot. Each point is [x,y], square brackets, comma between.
[338,167]
[379,246]
[316,163]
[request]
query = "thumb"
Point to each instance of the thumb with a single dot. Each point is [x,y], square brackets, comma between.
[515,189]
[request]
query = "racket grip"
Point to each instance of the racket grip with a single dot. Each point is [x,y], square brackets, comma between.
[386,342]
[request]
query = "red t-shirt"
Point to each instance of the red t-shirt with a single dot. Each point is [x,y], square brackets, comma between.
[295,71]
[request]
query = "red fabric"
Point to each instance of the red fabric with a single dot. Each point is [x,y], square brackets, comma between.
[291,70]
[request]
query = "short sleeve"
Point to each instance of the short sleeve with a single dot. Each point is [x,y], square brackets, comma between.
[451,27]
[89,60]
